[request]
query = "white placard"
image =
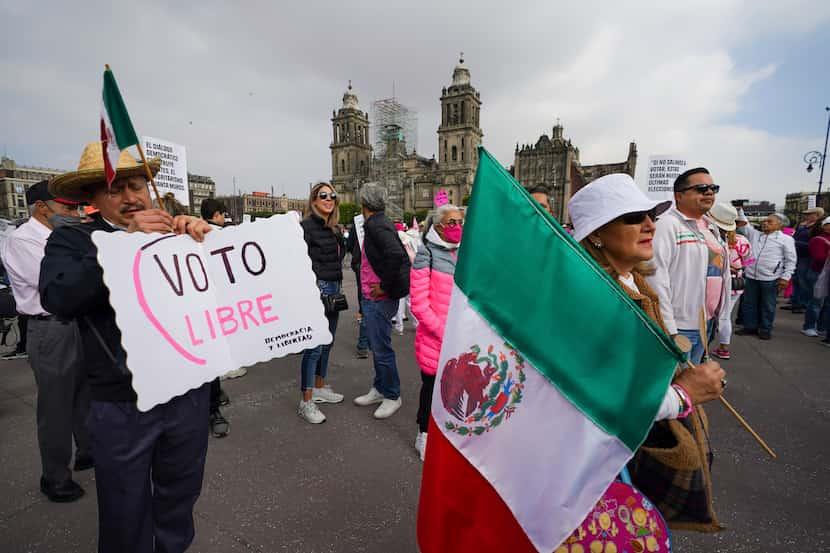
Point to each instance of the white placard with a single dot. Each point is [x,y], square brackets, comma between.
[172,177]
[662,171]
[358,227]
[189,312]
[811,201]
[246,217]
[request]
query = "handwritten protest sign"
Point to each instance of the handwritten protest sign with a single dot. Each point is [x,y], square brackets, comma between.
[662,171]
[172,177]
[189,312]
[358,227]
[441,198]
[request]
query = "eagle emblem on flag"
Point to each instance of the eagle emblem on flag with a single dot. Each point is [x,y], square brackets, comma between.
[480,389]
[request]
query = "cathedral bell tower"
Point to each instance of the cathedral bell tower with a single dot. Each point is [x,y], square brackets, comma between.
[459,133]
[351,151]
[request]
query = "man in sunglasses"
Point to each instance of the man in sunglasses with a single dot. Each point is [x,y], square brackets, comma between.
[691,262]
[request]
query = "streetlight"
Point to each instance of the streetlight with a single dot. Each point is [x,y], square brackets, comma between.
[816,157]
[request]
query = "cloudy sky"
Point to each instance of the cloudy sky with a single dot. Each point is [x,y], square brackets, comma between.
[248,87]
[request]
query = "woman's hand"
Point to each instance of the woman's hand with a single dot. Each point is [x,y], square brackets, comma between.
[702,382]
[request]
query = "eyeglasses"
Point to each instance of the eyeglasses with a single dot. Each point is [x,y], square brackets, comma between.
[637,217]
[454,222]
[327,195]
[702,188]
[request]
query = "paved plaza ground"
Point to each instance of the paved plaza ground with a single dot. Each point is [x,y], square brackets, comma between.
[278,484]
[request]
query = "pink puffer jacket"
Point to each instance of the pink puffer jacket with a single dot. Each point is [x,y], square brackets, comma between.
[430,289]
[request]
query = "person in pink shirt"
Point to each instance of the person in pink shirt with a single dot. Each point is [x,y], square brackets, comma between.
[740,256]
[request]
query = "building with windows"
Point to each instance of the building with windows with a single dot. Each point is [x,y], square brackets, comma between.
[260,203]
[797,202]
[410,179]
[199,188]
[553,163]
[14,181]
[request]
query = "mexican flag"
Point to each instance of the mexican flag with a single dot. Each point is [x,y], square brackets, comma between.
[117,132]
[549,380]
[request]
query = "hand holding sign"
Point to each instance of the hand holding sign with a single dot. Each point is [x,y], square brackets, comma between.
[189,312]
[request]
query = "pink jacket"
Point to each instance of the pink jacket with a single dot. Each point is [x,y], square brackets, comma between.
[430,288]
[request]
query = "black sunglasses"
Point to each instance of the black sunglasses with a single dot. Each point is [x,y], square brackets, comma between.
[637,217]
[326,195]
[702,188]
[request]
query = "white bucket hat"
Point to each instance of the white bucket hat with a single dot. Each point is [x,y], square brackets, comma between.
[605,199]
[724,216]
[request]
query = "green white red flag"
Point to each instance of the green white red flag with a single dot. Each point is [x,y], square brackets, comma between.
[549,380]
[117,132]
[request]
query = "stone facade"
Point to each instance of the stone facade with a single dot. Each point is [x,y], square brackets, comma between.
[553,163]
[797,202]
[411,180]
[14,181]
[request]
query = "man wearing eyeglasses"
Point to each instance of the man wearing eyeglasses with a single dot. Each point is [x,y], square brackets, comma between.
[691,262]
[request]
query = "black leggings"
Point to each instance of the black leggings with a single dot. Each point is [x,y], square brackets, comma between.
[425,401]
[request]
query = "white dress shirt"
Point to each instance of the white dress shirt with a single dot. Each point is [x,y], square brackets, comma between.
[22,253]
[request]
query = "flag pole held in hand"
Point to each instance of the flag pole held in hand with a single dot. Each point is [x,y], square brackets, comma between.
[685,345]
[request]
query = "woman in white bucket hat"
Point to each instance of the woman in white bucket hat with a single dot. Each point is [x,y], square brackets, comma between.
[740,256]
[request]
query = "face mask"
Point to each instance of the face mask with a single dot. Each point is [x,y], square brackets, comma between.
[453,234]
[64,220]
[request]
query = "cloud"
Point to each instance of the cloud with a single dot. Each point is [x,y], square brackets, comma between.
[249,87]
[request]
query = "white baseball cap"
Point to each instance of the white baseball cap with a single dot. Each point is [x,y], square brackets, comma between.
[605,199]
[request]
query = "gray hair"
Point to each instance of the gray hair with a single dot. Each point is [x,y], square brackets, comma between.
[785,221]
[438,216]
[373,196]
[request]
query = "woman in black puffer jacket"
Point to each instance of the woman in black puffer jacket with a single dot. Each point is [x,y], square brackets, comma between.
[326,250]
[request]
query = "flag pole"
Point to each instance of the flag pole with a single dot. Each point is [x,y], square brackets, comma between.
[150,175]
[722,399]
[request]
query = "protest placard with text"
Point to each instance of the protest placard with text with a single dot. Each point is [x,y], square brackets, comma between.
[662,171]
[172,177]
[189,312]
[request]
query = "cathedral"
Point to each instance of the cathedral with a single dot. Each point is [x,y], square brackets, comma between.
[412,180]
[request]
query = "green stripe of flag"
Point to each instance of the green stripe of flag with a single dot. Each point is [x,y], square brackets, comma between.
[122,127]
[544,294]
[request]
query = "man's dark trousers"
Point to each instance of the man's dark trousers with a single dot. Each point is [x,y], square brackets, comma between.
[148,470]
[62,394]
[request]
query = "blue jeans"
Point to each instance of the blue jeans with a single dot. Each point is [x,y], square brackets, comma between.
[802,289]
[814,316]
[316,360]
[759,304]
[695,355]
[377,314]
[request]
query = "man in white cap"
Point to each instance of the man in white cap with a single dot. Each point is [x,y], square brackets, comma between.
[774,266]
[691,263]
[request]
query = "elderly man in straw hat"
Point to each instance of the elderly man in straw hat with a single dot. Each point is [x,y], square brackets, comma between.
[148,466]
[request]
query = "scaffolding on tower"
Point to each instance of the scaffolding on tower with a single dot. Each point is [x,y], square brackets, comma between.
[393,121]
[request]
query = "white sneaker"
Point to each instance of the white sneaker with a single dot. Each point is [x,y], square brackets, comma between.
[309,412]
[325,395]
[387,408]
[236,373]
[370,398]
[811,332]
[421,444]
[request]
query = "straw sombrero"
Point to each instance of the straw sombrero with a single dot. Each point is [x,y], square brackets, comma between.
[79,185]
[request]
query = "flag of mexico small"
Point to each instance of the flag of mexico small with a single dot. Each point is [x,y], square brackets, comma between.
[117,132]
[549,380]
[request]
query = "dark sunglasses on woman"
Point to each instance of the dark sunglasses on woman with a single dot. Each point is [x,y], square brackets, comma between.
[326,195]
[637,217]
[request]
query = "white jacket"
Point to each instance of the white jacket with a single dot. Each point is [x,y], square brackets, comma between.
[774,253]
[681,260]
